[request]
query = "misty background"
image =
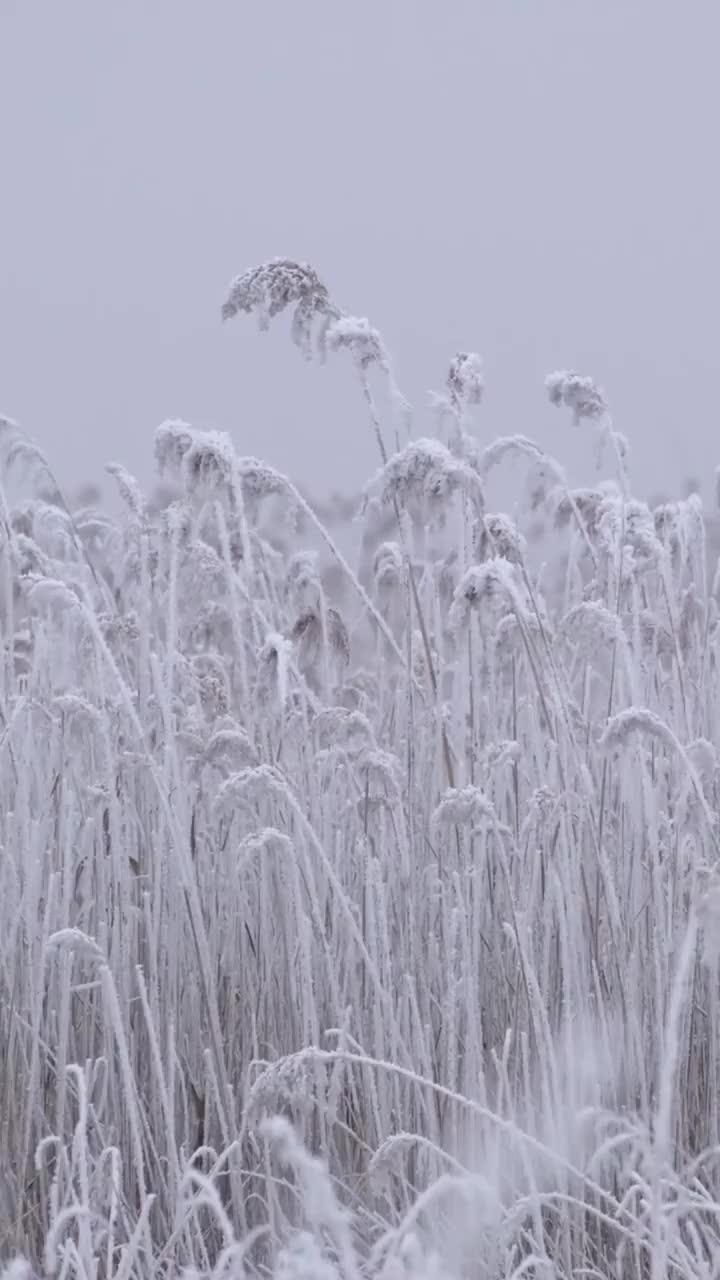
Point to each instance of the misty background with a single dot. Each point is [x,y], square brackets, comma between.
[536,181]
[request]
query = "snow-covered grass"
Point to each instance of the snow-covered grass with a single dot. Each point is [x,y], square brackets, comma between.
[359,919]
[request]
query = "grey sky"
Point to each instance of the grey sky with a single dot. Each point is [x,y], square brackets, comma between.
[537,181]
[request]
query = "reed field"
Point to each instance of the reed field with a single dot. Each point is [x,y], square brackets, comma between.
[359,860]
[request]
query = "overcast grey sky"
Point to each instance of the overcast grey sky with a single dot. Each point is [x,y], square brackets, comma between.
[537,181]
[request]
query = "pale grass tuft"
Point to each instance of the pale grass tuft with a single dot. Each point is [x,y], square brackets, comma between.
[465,379]
[357,336]
[273,286]
[579,394]
[426,474]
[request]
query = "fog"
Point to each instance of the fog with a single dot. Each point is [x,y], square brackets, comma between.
[533,181]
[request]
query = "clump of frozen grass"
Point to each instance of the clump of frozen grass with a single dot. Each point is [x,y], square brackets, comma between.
[173,438]
[587,402]
[579,394]
[490,588]
[357,336]
[318,1198]
[637,720]
[269,289]
[425,475]
[499,536]
[208,464]
[468,805]
[465,388]
[465,380]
